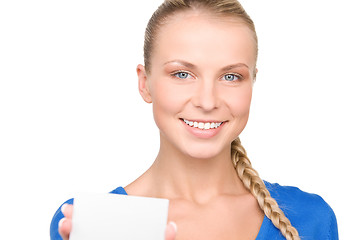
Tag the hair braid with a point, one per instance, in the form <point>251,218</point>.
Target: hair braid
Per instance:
<point>253,182</point>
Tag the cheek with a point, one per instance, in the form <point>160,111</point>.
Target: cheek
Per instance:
<point>239,105</point>
<point>168,99</point>
<point>239,102</point>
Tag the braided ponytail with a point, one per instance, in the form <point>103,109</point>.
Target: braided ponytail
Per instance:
<point>253,182</point>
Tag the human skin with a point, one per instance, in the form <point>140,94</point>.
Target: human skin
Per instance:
<point>195,56</point>
<point>204,95</point>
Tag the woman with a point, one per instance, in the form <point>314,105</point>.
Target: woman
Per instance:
<point>200,67</point>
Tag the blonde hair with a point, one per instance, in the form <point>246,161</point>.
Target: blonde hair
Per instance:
<point>242,164</point>
<point>224,8</point>
<point>253,182</point>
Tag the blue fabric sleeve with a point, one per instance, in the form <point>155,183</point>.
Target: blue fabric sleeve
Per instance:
<point>308,213</point>
<point>333,228</point>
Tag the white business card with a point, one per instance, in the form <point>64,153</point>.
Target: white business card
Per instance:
<point>120,217</point>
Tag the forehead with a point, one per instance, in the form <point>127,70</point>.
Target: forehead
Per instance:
<point>202,37</point>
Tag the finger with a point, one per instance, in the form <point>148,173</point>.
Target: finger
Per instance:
<point>65,228</point>
<point>170,232</point>
<point>67,210</point>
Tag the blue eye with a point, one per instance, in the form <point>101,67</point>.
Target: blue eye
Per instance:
<point>231,77</point>
<point>181,75</point>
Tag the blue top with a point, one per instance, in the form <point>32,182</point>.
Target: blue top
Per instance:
<point>308,213</point>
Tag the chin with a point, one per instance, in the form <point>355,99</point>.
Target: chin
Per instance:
<point>202,152</point>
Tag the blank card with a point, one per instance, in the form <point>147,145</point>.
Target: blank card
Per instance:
<point>120,217</point>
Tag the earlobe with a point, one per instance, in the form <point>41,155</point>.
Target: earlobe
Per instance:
<point>143,84</point>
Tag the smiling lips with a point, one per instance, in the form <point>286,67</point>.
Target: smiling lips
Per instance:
<point>202,125</point>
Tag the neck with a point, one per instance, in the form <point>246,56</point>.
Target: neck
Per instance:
<point>177,176</point>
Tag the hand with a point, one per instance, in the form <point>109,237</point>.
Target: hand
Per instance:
<point>65,224</point>
<point>170,232</point>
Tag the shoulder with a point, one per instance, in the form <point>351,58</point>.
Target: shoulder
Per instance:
<point>119,190</point>
<point>309,213</point>
<point>294,197</point>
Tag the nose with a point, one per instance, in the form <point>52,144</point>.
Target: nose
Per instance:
<point>206,96</point>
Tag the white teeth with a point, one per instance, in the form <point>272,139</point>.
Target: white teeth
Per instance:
<point>203,125</point>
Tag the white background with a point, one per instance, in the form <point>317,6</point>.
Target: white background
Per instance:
<point>71,119</point>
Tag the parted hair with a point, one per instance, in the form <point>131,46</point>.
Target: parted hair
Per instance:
<point>242,164</point>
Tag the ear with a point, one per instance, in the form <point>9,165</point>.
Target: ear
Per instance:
<point>143,83</point>
<point>255,73</point>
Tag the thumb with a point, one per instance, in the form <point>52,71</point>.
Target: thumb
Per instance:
<point>170,231</point>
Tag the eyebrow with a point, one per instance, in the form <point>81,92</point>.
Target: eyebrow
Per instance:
<point>232,66</point>
<point>181,62</point>
<point>192,66</point>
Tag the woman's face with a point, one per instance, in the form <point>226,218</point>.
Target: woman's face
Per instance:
<point>200,82</point>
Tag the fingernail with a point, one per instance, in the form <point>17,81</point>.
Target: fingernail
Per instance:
<point>61,222</point>
<point>63,207</point>
<point>174,226</point>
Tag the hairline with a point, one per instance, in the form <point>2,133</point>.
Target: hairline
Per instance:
<point>202,10</point>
